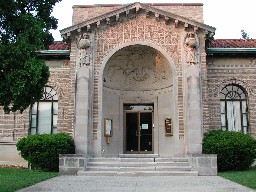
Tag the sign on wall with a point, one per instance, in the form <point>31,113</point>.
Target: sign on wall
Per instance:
<point>108,127</point>
<point>168,127</point>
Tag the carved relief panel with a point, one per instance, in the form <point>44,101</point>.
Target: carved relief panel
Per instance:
<point>84,50</point>
<point>191,48</point>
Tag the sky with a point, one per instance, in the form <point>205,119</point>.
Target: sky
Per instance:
<point>229,17</point>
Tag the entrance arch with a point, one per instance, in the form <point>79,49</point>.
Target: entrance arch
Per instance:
<point>140,74</point>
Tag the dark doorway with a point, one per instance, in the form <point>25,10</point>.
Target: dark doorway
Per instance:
<point>139,131</point>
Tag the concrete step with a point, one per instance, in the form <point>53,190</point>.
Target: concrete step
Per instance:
<point>137,164</point>
<point>131,159</point>
<point>89,168</point>
<point>137,173</point>
<point>104,159</point>
<point>172,159</point>
<point>177,163</point>
<point>173,168</point>
<point>122,164</point>
<point>145,168</point>
<point>132,165</point>
<point>138,155</point>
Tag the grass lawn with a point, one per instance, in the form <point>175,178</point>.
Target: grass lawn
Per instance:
<point>14,179</point>
<point>246,178</point>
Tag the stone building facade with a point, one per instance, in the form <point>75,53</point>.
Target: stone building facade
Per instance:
<point>141,79</point>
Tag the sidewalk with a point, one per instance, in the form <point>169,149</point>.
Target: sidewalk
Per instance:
<point>137,184</point>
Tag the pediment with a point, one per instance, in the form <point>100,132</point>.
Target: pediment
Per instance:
<point>132,11</point>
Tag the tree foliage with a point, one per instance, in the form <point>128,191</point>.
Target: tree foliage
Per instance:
<point>244,35</point>
<point>24,29</point>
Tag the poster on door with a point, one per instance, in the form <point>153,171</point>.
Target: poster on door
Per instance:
<point>144,126</point>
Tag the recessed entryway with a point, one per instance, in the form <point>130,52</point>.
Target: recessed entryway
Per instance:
<point>137,94</point>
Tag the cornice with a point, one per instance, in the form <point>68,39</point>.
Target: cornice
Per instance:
<point>231,51</point>
<point>135,8</point>
<point>152,4</point>
<point>53,53</point>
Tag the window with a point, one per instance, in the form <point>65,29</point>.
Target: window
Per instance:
<point>44,114</point>
<point>234,108</point>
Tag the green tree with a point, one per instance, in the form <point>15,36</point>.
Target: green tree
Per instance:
<point>244,35</point>
<point>24,29</point>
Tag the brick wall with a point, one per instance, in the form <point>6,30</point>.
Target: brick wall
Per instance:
<point>82,13</point>
<point>227,70</point>
<point>191,11</point>
<point>15,125</point>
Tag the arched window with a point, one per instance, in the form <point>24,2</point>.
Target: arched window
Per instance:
<point>234,108</point>
<point>44,114</point>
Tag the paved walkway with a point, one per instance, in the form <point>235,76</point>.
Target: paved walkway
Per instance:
<point>137,184</point>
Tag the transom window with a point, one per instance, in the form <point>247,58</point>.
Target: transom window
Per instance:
<point>234,108</point>
<point>44,114</point>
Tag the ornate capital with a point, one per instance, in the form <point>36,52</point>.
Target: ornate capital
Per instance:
<point>191,40</point>
<point>84,50</point>
<point>84,41</point>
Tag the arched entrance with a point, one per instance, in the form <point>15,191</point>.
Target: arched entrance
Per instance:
<point>137,95</point>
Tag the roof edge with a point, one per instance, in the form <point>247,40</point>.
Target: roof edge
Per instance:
<point>66,31</point>
<point>53,53</point>
<point>231,51</point>
<point>152,4</point>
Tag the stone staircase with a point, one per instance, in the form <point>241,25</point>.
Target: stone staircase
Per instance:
<point>138,166</point>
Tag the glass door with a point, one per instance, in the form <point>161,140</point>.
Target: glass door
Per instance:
<point>146,131</point>
<point>139,132</point>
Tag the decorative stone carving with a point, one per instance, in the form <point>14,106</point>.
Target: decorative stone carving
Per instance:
<point>144,29</point>
<point>191,46</point>
<point>84,53</point>
<point>84,43</point>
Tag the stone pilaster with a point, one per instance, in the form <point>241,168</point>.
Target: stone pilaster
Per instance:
<point>194,113</point>
<point>194,126</point>
<point>82,107</point>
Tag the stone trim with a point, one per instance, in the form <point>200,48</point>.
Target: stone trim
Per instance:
<point>246,85</point>
<point>70,164</point>
<point>152,4</point>
<point>205,164</point>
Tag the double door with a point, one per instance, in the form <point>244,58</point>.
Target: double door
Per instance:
<point>139,132</point>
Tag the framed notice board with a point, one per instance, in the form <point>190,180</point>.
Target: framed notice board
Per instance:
<point>108,125</point>
<point>168,126</point>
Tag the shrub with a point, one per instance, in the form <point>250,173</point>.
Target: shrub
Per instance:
<point>42,151</point>
<point>235,150</point>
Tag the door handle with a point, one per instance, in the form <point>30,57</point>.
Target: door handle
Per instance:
<point>137,133</point>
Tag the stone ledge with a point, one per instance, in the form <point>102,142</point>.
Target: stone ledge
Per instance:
<point>8,143</point>
<point>71,155</point>
<point>70,164</point>
<point>205,164</point>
